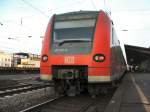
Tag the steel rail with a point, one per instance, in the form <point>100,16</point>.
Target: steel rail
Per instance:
<point>23,89</point>
<point>30,109</point>
<point>14,87</point>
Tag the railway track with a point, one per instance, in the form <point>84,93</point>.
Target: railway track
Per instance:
<point>14,86</point>
<point>16,89</point>
<point>38,106</point>
<point>81,103</point>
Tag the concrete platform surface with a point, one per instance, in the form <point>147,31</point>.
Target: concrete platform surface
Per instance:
<point>133,95</point>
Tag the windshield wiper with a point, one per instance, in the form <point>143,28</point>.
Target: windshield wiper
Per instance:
<point>73,40</point>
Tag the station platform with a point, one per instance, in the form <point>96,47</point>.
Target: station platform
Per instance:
<point>133,95</point>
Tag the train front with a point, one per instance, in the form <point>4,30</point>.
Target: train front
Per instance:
<point>74,52</point>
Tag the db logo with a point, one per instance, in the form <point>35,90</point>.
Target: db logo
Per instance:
<point>69,60</point>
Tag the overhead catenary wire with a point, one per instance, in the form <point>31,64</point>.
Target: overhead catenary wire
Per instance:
<point>15,45</point>
<point>93,4</point>
<point>15,49</point>
<point>132,10</point>
<point>42,12</point>
<point>35,8</point>
<point>22,19</point>
<point>68,5</point>
<point>6,48</point>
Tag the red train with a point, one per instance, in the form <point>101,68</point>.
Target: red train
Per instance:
<point>81,51</point>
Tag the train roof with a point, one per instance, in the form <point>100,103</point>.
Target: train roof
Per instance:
<point>79,12</point>
<point>77,15</point>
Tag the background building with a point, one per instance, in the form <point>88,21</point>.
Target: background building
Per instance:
<point>26,60</point>
<point>5,59</point>
<point>22,60</point>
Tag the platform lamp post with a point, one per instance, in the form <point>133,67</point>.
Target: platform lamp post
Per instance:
<point>13,61</point>
<point>128,66</point>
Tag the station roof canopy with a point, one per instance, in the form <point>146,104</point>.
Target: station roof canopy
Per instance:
<point>136,55</point>
<point>22,53</point>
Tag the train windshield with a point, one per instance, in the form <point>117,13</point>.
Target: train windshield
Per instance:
<point>73,34</point>
<point>73,30</point>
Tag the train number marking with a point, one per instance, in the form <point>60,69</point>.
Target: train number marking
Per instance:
<point>69,60</point>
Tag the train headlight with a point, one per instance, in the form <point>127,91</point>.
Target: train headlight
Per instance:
<point>99,58</point>
<point>44,58</point>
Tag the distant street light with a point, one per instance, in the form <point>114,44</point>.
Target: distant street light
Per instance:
<point>124,30</point>
<point>13,39</point>
<point>17,38</point>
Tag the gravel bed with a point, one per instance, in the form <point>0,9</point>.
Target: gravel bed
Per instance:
<point>22,101</point>
<point>6,83</point>
<point>11,80</point>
